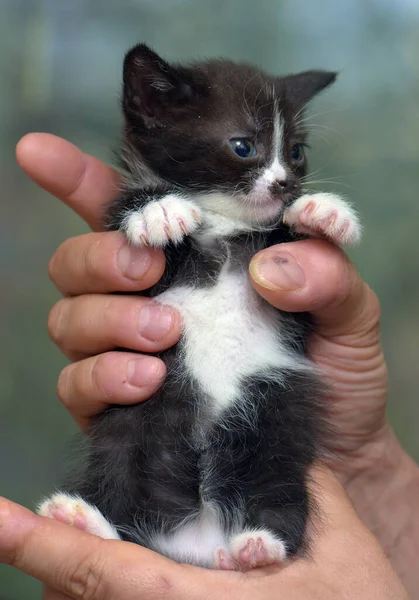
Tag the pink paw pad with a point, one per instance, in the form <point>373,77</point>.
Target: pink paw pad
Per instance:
<point>254,553</point>
<point>73,516</point>
<point>74,511</point>
<point>257,549</point>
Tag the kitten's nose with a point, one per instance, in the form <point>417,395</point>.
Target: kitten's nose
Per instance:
<point>286,188</point>
<point>286,185</point>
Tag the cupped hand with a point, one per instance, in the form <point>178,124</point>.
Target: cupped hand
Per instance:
<point>345,561</point>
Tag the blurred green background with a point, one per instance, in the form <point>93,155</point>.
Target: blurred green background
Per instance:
<point>60,70</point>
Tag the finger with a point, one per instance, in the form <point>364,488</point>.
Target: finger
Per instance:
<point>317,277</point>
<point>87,387</point>
<point>83,566</point>
<point>90,324</point>
<point>83,182</point>
<point>104,262</point>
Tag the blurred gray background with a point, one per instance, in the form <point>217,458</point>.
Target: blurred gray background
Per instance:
<point>60,68</point>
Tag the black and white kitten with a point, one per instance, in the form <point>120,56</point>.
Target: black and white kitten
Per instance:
<point>213,469</point>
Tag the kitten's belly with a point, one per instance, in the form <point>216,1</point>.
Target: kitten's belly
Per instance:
<point>229,333</point>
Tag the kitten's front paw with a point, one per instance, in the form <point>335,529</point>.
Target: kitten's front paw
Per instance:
<point>324,215</point>
<point>252,549</point>
<point>72,510</point>
<point>162,221</point>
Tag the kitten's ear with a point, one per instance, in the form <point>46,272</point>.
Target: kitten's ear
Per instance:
<point>304,86</point>
<point>151,86</point>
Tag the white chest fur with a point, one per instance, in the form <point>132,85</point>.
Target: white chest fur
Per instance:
<point>229,333</point>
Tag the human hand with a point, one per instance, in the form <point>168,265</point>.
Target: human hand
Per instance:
<point>89,323</point>
<point>345,561</point>
<point>316,277</point>
<point>380,478</point>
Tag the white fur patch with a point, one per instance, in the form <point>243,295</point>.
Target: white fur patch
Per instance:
<point>161,221</point>
<point>196,541</point>
<point>276,170</point>
<point>218,226</point>
<point>229,333</point>
<point>73,510</point>
<point>325,215</point>
<point>237,208</point>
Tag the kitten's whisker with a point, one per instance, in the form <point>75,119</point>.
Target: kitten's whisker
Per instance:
<point>171,157</point>
<point>333,182</point>
<point>246,103</point>
<point>326,112</point>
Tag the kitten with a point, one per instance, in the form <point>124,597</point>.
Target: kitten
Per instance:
<point>213,469</point>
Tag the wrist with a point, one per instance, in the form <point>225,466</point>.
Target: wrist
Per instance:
<point>384,489</point>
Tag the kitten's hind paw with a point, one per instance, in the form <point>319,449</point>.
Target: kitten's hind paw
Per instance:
<point>252,549</point>
<point>72,510</point>
<point>162,221</point>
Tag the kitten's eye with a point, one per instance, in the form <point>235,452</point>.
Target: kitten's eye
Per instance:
<point>242,147</point>
<point>297,153</point>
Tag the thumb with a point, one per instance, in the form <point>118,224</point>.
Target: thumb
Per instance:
<point>77,565</point>
<point>317,277</point>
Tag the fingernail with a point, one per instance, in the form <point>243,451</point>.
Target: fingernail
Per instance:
<point>277,271</point>
<point>143,371</point>
<point>134,262</point>
<point>155,321</point>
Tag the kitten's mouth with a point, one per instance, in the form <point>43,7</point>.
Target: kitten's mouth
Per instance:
<point>267,206</point>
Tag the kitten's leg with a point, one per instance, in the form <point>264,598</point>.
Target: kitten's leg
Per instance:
<point>159,222</point>
<point>72,510</point>
<point>258,456</point>
<point>324,215</point>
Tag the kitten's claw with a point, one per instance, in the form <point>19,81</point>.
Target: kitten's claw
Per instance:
<point>223,560</point>
<point>183,227</point>
<point>253,549</point>
<point>72,510</point>
<point>196,216</point>
<point>162,221</point>
<point>324,215</point>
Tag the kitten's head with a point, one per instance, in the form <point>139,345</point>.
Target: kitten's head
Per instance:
<point>227,133</point>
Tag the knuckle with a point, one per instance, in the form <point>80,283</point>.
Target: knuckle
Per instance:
<point>56,261</point>
<point>92,258</point>
<point>98,369</point>
<point>85,578</point>
<point>52,266</point>
<point>11,553</point>
<point>374,302</point>
<point>64,385</point>
<point>56,321</point>
<point>112,312</point>
<point>83,379</point>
